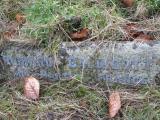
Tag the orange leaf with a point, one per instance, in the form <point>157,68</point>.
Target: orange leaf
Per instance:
<point>80,35</point>
<point>31,88</point>
<point>114,104</point>
<point>20,18</point>
<point>128,3</point>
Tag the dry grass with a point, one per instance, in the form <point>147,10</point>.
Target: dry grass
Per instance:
<point>104,18</point>
<point>72,99</point>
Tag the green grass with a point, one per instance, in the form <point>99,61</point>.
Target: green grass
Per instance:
<point>154,6</point>
<point>49,22</point>
<point>72,98</point>
<point>45,16</point>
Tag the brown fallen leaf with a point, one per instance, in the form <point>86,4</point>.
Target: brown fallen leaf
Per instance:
<point>130,30</point>
<point>31,88</point>
<point>144,38</point>
<point>134,32</point>
<point>20,18</point>
<point>10,30</point>
<point>80,35</point>
<point>114,104</point>
<point>7,35</point>
<point>128,3</point>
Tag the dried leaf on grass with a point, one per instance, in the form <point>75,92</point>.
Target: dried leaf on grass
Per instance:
<point>20,18</point>
<point>80,35</point>
<point>114,104</point>
<point>31,88</point>
<point>130,30</point>
<point>128,3</point>
<point>133,31</point>
<point>144,38</point>
<point>10,30</point>
<point>7,35</point>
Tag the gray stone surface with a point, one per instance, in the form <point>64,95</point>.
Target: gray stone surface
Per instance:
<point>119,62</point>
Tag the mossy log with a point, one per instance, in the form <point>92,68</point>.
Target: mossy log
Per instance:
<point>114,62</point>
